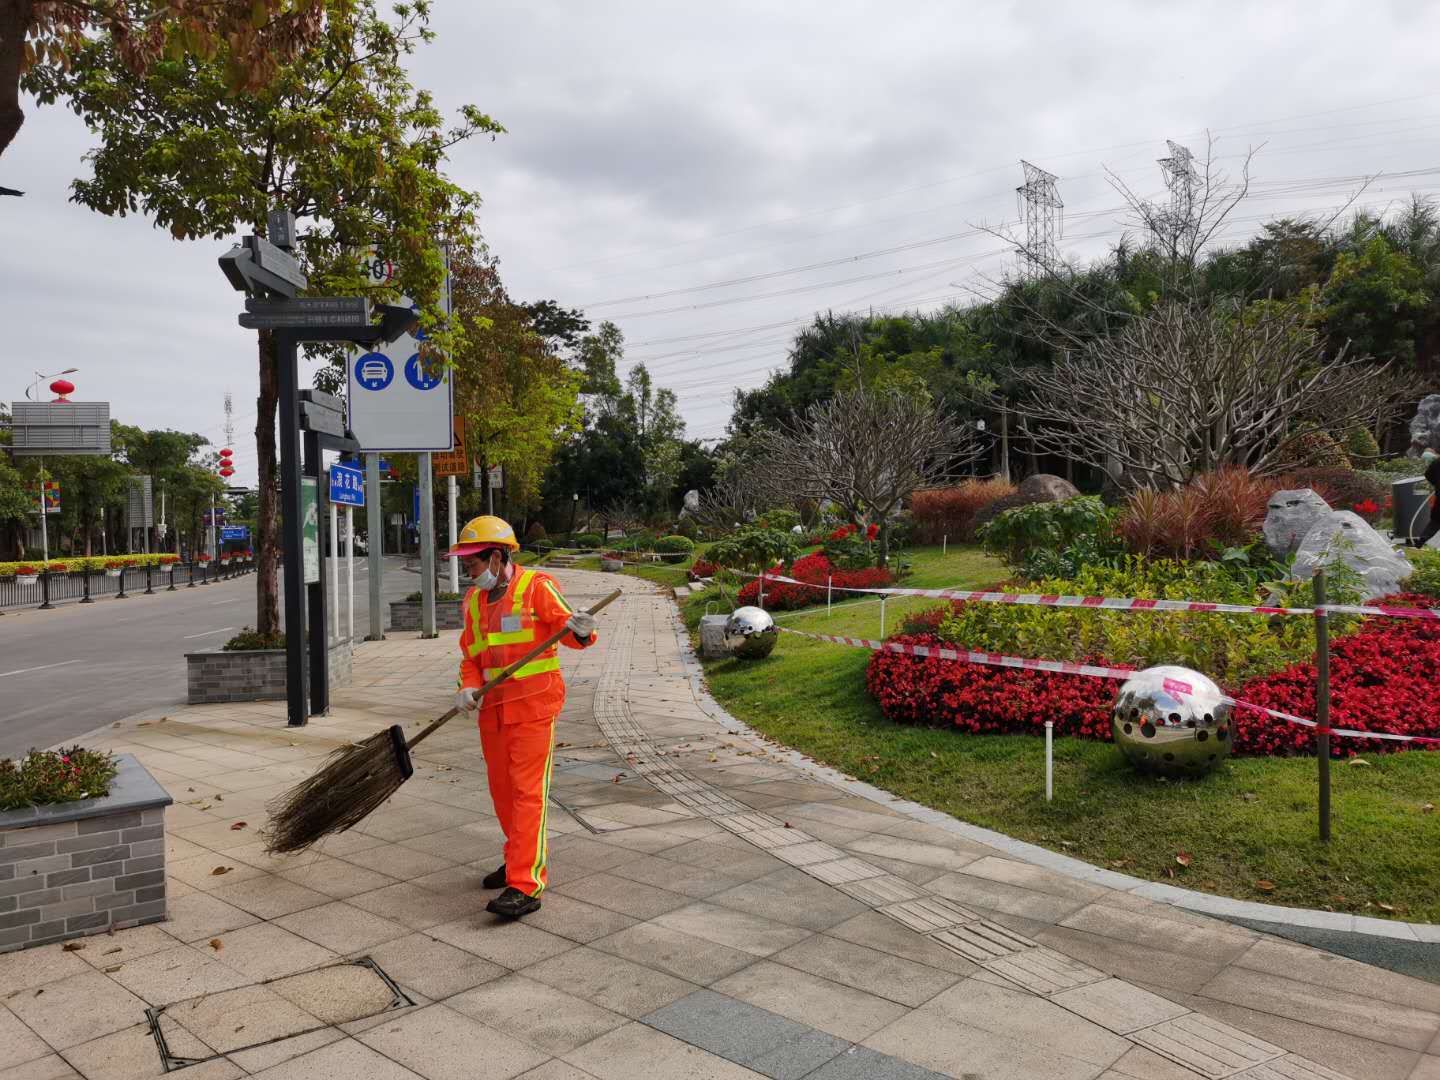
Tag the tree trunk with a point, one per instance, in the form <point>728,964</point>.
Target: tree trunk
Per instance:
<point>267,517</point>
<point>15,16</point>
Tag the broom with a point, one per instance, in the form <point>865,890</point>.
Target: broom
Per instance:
<point>357,778</point>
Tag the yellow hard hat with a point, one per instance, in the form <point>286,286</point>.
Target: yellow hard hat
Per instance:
<point>484,532</point>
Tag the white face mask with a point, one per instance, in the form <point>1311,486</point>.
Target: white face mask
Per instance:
<point>487,580</point>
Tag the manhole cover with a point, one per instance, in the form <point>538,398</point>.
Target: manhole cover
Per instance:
<point>203,1028</point>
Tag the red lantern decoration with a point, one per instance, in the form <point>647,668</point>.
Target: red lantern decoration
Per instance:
<point>62,387</point>
<point>227,452</point>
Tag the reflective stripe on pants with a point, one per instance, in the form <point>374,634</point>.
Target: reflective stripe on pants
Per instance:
<point>518,760</point>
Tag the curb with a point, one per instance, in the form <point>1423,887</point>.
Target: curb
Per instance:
<point>1187,899</point>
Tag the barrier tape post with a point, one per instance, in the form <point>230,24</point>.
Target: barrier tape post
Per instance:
<point>828,579</point>
<point>1049,760</point>
<point>882,618</point>
<point>945,544</point>
<point>1322,702</point>
<point>760,597</point>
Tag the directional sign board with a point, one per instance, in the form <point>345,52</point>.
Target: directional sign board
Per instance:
<point>307,313</point>
<point>235,532</point>
<point>453,462</point>
<point>55,428</point>
<point>273,260</point>
<point>400,398</point>
<point>347,485</point>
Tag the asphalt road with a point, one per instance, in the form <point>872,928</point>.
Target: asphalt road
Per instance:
<point>69,670</point>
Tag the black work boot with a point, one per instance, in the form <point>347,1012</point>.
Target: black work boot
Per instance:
<point>495,879</point>
<point>512,903</point>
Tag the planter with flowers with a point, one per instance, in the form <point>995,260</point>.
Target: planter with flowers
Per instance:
<point>612,562</point>
<point>84,832</point>
<point>115,567</point>
<point>25,574</point>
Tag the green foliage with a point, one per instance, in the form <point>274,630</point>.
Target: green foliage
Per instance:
<point>1373,298</point>
<point>754,549</point>
<point>415,598</point>
<point>588,540</point>
<point>249,640</point>
<point>1361,447</point>
<point>1044,532</point>
<point>45,777</point>
<point>853,552</point>
<point>674,545</point>
<point>780,518</point>
<point>1426,578</point>
<point>1228,648</point>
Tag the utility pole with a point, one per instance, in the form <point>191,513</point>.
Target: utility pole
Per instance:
<point>375,524</point>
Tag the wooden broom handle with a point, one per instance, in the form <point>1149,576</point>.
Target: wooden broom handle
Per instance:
<point>553,639</point>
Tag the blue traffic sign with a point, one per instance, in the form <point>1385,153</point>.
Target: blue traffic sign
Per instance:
<point>347,485</point>
<point>235,532</point>
<point>423,376</point>
<point>373,371</point>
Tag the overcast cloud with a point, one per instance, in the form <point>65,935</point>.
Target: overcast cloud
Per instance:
<point>656,146</point>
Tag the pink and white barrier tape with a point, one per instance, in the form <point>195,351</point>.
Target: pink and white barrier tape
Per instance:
<point>1093,671</point>
<point>1113,603</point>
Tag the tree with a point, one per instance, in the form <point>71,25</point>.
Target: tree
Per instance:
<point>1189,388</point>
<point>339,136</point>
<point>867,449</point>
<point>1373,300</point>
<point>16,503</point>
<point>256,36</point>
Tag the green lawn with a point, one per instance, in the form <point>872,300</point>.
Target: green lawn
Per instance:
<point>1253,821</point>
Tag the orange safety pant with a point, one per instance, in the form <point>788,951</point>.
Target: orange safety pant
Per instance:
<point>518,761</point>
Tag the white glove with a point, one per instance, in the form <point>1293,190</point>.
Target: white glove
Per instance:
<point>581,624</point>
<point>468,699</point>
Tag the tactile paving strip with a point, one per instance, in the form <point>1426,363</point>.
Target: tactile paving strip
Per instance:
<point>1290,1067</point>
<point>886,889</point>
<point>930,913</point>
<point>982,941</point>
<point>1209,1047</point>
<point>1043,971</point>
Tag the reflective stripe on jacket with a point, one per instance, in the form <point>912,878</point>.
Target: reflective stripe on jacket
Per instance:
<point>496,635</point>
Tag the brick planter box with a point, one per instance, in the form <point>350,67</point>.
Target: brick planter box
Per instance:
<point>84,867</point>
<point>256,675</point>
<point>405,614</point>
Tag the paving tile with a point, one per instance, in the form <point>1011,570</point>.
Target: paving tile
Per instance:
<point>1427,1069</point>
<point>734,929</point>
<point>577,920</point>
<point>885,935</point>
<point>674,952</point>
<point>238,1018</point>
<point>1139,1063</point>
<point>398,861</point>
<point>340,994</point>
<point>511,944</point>
<point>107,950</point>
<point>1044,971</point>
<point>177,973</point>
<point>610,981</point>
<point>1131,961</point>
<point>693,881</point>
<point>536,1013</point>
<point>76,1009</point>
<point>953,1049</point>
<point>982,941</point>
<point>1290,1067</point>
<point>1305,964</point>
<point>18,1044</point>
<point>1205,939</point>
<point>275,1053</point>
<point>977,892</point>
<point>1016,1015</point>
<point>131,1054</point>
<point>637,1052</point>
<point>746,1035</point>
<point>200,916</point>
<point>882,889</point>
<point>1338,1010</point>
<point>50,1067</point>
<point>841,1011</point>
<point>792,897</point>
<point>343,1060</point>
<point>607,890</point>
<point>441,1044</point>
<point>342,928</point>
<point>862,1063</point>
<point>266,951</point>
<point>434,968</point>
<point>867,969</point>
<point>416,908</point>
<point>337,878</point>
<point>1038,878</point>
<point>930,913</point>
<point>893,847</point>
<point>35,967</point>
<point>1210,1047</point>
<point>1118,1006</point>
<point>269,897</point>
<point>555,1069</point>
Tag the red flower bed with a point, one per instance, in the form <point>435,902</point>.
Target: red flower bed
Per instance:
<point>1383,677</point>
<point>702,569</point>
<point>983,699</point>
<point>813,569</point>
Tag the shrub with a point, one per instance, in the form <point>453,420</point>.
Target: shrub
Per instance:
<point>249,640</point>
<point>415,597</point>
<point>928,620</point>
<point>676,544</point>
<point>1425,580</point>
<point>942,512</point>
<point>1361,447</point>
<point>850,547</point>
<point>535,532</point>
<point>688,527</point>
<point>45,777</point>
<point>588,540</point>
<point>754,549</point>
<point>1225,647</point>
<point>983,699</point>
<point>1017,535</point>
<point>813,569</point>
<point>1214,511</point>
<point>1314,449</point>
<point>782,519</point>
<point>1341,488</point>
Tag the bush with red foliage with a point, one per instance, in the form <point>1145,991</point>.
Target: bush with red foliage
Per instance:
<point>813,569</point>
<point>983,699</point>
<point>700,568</point>
<point>942,512</point>
<point>1383,677</point>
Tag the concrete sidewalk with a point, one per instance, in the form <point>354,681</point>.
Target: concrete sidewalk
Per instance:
<point>714,913</point>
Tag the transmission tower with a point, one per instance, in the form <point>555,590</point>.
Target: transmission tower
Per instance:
<point>1040,208</point>
<point>1176,224</point>
<point>229,420</point>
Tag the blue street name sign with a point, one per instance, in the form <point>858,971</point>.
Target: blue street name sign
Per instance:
<point>235,532</point>
<point>347,485</point>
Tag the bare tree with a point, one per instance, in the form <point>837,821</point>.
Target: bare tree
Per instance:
<point>866,449</point>
<point>1188,388</point>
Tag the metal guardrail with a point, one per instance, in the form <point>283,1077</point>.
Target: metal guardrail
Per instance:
<point>58,587</point>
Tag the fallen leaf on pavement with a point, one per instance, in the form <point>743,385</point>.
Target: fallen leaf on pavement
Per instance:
<point>238,826</point>
<point>113,968</point>
<point>1265,886</point>
<point>788,825</point>
<point>72,946</point>
<point>221,870</point>
<point>216,944</point>
<point>107,952</point>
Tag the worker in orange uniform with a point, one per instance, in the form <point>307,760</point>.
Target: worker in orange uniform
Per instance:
<point>507,611</point>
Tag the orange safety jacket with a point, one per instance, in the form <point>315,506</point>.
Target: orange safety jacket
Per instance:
<point>496,635</point>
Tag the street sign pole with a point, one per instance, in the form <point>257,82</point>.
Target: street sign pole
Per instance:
<point>350,569</point>
<point>297,690</point>
<point>334,571</point>
<point>319,646</point>
<point>427,549</point>
<point>450,491</point>
<point>375,524</point>
<point>44,528</point>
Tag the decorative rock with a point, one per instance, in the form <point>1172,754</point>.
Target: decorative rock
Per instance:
<point>1425,426</point>
<point>1346,537</point>
<point>1046,487</point>
<point>691,506</point>
<point>1289,517</point>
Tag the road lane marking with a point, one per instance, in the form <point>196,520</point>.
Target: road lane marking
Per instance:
<point>207,633</point>
<point>217,603</point>
<point>42,667</point>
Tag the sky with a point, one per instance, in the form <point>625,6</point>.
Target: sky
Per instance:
<point>712,177</point>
